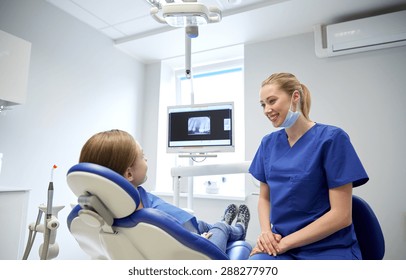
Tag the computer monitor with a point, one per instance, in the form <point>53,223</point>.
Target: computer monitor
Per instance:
<point>201,128</point>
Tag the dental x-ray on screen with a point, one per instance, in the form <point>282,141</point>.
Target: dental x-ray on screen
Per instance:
<point>201,128</point>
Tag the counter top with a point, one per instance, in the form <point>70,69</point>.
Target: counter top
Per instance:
<point>12,189</point>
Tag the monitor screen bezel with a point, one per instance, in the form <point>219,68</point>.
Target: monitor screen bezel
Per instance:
<point>201,148</point>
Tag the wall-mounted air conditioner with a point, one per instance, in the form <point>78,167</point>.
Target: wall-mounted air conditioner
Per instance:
<point>383,31</point>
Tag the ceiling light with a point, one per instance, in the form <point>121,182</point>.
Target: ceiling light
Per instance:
<point>186,14</point>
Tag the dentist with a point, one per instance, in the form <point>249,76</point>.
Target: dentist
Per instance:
<point>307,171</point>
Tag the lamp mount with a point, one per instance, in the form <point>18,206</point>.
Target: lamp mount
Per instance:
<point>186,13</point>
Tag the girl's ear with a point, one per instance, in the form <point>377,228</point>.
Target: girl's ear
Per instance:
<point>128,174</point>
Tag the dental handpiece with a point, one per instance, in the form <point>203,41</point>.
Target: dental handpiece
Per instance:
<point>50,194</point>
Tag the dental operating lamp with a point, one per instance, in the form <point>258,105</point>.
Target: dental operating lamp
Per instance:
<point>188,14</point>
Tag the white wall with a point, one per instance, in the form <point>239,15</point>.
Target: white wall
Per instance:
<point>150,116</point>
<point>362,93</point>
<point>79,84</point>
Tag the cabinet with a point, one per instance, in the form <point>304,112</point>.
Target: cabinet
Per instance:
<point>14,65</point>
<point>13,221</point>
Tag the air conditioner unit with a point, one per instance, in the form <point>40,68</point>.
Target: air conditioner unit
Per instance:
<point>378,32</point>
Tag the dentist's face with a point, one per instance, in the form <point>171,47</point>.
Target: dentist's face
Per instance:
<point>275,103</point>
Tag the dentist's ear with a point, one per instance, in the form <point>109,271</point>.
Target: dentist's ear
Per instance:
<point>296,95</point>
<point>296,100</point>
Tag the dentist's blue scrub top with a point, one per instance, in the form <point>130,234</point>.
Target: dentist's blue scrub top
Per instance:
<point>299,178</point>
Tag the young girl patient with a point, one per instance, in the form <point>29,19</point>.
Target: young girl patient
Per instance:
<point>120,152</point>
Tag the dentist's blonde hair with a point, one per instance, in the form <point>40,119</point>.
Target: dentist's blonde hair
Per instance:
<point>114,149</point>
<point>289,83</point>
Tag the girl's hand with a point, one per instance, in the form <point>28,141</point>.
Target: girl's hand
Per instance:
<point>206,235</point>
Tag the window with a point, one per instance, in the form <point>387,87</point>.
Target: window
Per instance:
<point>217,82</point>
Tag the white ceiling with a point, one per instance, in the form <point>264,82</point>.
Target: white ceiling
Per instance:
<point>129,24</point>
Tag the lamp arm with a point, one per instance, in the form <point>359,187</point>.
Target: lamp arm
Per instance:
<point>215,14</point>
<point>154,13</point>
<point>188,57</point>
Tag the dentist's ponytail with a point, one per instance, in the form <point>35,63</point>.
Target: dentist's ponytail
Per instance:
<point>305,101</point>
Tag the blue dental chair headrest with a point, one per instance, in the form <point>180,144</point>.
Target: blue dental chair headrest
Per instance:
<point>116,192</point>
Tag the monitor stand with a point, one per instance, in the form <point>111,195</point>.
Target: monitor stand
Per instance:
<point>198,155</point>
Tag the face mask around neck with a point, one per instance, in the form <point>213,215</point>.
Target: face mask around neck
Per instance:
<point>291,117</point>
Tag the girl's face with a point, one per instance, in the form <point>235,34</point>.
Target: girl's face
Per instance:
<point>275,103</point>
<point>137,172</point>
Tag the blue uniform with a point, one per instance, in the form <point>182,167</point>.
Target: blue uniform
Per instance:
<point>299,179</point>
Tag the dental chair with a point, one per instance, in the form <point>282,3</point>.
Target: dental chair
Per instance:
<point>106,224</point>
<point>368,230</point>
